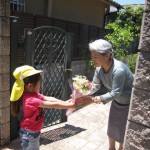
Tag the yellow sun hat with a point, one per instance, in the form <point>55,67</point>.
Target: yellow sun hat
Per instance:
<point>19,74</point>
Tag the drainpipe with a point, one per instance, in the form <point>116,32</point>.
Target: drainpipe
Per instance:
<point>105,16</point>
<point>49,8</point>
<point>107,12</point>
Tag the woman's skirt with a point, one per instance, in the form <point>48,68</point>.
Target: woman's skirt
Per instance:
<point>117,121</point>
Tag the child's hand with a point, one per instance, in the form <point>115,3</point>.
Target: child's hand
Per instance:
<point>71,96</point>
<point>69,100</point>
<point>72,104</point>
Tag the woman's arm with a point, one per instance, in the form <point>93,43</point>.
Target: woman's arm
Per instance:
<point>118,81</point>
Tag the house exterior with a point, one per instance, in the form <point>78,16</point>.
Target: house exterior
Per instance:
<point>89,12</point>
<point>140,128</point>
<point>84,18</point>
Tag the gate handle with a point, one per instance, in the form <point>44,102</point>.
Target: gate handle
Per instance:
<point>68,70</point>
<point>65,70</point>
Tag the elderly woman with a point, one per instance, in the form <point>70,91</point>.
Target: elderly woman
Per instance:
<point>117,77</point>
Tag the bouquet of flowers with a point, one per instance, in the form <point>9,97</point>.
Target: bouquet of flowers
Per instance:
<point>81,86</point>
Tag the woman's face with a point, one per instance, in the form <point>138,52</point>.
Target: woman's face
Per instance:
<point>99,59</point>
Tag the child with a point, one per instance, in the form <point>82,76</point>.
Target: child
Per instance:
<point>26,88</point>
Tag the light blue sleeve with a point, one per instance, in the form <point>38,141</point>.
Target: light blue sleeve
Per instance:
<point>96,81</point>
<point>96,78</point>
<point>118,79</point>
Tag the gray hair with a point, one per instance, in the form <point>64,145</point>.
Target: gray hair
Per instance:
<point>101,46</point>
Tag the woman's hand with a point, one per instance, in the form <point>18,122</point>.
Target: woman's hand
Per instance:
<point>85,100</point>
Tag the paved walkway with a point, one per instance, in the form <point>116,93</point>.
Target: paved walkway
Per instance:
<point>85,130</point>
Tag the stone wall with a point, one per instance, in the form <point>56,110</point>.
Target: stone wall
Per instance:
<point>138,126</point>
<point>4,72</point>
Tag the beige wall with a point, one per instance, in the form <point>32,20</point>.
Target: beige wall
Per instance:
<point>83,11</point>
<point>89,12</point>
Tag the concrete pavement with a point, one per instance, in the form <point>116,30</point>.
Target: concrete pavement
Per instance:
<point>86,129</point>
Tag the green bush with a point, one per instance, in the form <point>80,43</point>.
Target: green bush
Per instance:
<point>125,30</point>
<point>131,62</point>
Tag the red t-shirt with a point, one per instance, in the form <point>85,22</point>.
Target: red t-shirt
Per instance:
<point>33,115</point>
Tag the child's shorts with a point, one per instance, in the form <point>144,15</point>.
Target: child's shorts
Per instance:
<point>29,139</point>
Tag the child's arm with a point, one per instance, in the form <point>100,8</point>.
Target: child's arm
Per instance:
<point>51,99</point>
<point>51,102</point>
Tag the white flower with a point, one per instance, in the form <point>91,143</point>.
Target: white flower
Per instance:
<point>81,82</point>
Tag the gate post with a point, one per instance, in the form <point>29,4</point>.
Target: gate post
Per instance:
<point>29,47</point>
<point>67,71</point>
<point>4,72</point>
<point>13,64</point>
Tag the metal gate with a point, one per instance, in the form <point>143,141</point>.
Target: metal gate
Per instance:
<point>49,49</point>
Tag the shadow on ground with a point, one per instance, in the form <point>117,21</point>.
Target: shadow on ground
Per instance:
<point>59,134</point>
<point>49,137</point>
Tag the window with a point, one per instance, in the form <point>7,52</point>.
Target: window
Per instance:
<point>18,5</point>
